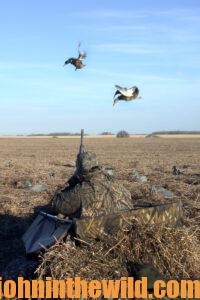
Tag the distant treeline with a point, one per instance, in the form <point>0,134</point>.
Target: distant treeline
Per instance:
<point>175,132</point>
<point>110,133</point>
<point>57,134</point>
<point>67,134</point>
<point>107,133</point>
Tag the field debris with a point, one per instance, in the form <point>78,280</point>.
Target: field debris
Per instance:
<point>27,184</point>
<point>62,164</point>
<point>192,181</point>
<point>176,171</point>
<point>39,187</point>
<point>9,164</point>
<point>161,190</point>
<point>51,174</point>
<point>187,166</point>
<point>140,178</point>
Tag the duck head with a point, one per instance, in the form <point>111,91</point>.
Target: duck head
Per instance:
<point>69,61</point>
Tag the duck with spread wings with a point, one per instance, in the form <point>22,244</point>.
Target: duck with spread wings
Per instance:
<point>126,94</point>
<point>77,62</point>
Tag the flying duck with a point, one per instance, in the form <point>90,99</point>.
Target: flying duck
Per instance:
<point>126,94</point>
<point>77,62</point>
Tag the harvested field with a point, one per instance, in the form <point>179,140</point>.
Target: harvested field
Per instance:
<point>35,159</point>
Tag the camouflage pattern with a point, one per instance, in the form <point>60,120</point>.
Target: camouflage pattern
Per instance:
<point>103,205</point>
<point>97,194</point>
<point>169,214</point>
<point>67,202</point>
<point>86,162</point>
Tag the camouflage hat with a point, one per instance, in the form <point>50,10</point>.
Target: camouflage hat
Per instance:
<point>86,161</point>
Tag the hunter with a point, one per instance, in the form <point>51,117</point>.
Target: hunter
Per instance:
<point>91,191</point>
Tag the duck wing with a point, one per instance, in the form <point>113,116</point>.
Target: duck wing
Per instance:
<point>124,91</point>
<point>117,93</point>
<point>82,55</point>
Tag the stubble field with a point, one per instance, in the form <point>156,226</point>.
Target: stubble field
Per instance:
<point>35,159</point>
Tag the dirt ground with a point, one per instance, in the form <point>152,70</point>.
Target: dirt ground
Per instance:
<point>35,159</point>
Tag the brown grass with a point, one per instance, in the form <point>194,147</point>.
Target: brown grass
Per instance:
<point>34,158</point>
<point>174,252</point>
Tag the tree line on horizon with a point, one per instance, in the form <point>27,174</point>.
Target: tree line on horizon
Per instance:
<point>177,132</point>
<point>120,133</point>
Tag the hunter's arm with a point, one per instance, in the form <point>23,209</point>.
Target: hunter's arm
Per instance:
<point>67,201</point>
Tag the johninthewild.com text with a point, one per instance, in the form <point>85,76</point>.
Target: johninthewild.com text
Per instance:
<point>125,287</point>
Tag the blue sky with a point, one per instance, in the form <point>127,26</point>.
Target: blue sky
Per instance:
<point>152,44</point>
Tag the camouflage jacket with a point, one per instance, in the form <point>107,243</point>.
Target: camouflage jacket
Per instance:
<point>94,194</point>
